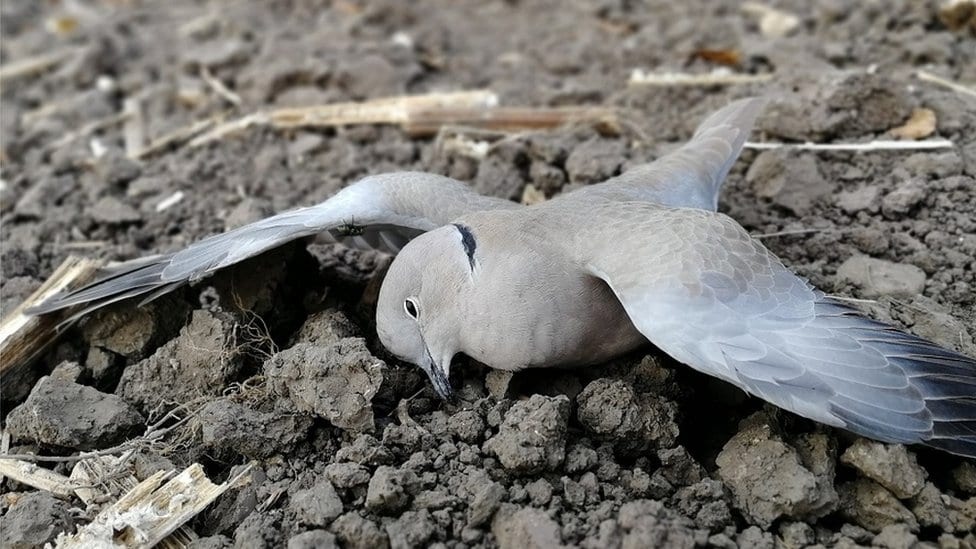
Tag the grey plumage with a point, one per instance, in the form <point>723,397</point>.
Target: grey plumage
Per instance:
<point>731,309</point>
<point>596,272</point>
<point>692,176</point>
<point>392,207</point>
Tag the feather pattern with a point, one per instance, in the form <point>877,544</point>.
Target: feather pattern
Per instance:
<point>701,289</point>
<point>402,204</point>
<point>385,211</point>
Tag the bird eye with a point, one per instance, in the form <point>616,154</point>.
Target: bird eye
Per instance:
<point>411,307</point>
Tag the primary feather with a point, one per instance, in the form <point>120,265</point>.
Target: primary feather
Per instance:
<point>399,204</point>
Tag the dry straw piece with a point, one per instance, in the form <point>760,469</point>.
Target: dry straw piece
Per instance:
<point>721,76</point>
<point>151,511</point>
<point>418,115</point>
<point>24,337</point>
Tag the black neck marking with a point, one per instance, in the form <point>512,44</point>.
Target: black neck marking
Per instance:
<point>468,241</point>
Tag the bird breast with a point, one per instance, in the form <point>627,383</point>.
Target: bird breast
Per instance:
<point>529,311</point>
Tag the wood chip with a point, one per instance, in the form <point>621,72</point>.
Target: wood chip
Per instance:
<point>38,477</point>
<point>390,110</point>
<point>104,472</point>
<point>23,337</point>
<point>512,119</point>
<point>419,115</point>
<point>919,125</point>
<point>151,511</point>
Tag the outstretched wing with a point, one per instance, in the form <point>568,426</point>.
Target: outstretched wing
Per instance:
<point>701,289</point>
<point>692,176</point>
<point>383,209</point>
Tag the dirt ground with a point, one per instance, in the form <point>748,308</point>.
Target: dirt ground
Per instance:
<point>277,361</point>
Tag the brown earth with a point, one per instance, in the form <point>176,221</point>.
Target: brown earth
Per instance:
<point>279,358</point>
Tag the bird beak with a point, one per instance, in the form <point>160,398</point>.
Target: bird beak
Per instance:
<point>439,378</point>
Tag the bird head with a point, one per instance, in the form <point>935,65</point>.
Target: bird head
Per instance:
<point>418,312</point>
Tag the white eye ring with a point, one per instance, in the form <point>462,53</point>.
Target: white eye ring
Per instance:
<point>410,306</point>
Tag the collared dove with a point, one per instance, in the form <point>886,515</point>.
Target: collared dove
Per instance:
<point>594,273</point>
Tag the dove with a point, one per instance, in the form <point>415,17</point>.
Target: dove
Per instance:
<point>641,258</point>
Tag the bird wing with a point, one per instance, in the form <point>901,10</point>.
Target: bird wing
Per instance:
<point>691,176</point>
<point>702,290</point>
<point>383,211</point>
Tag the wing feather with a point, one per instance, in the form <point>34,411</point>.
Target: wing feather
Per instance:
<point>408,203</point>
<point>691,176</point>
<point>701,289</point>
